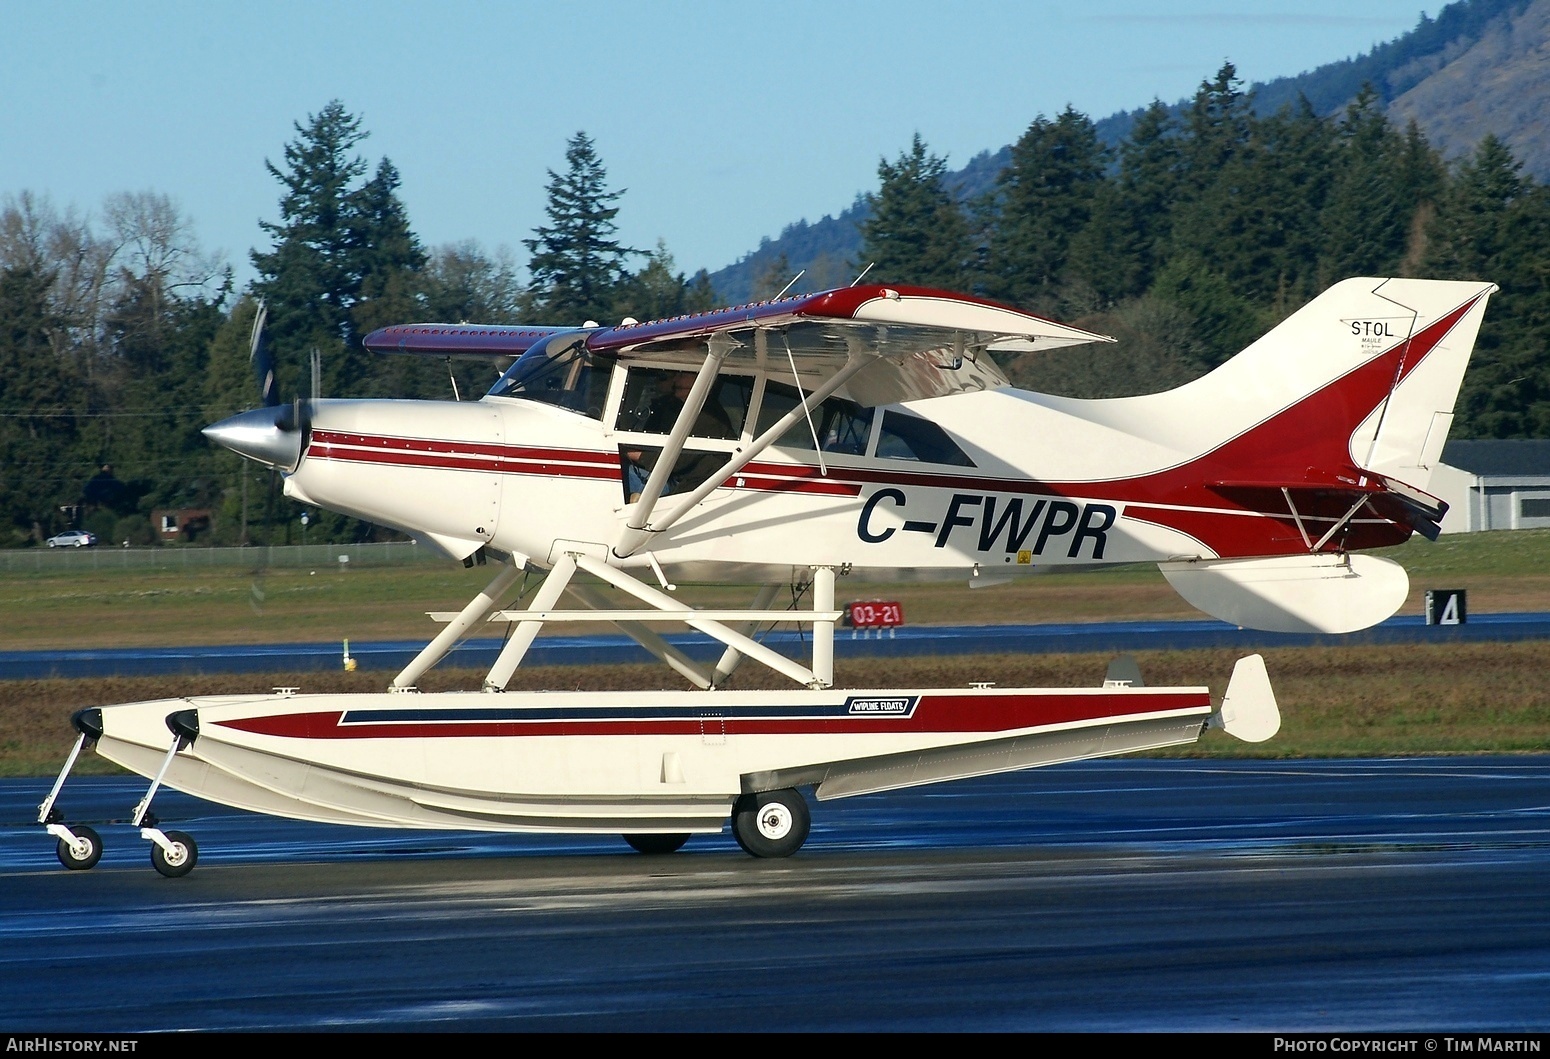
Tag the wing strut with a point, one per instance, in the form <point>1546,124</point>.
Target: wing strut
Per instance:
<point>796,379</point>
<point>734,628</point>
<point>720,346</point>
<point>522,637</point>
<point>634,536</point>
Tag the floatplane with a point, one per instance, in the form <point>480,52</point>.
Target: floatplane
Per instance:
<point>865,431</point>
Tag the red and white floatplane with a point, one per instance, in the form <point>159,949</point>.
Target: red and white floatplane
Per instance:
<point>866,432</point>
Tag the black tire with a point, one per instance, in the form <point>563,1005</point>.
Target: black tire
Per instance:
<point>771,823</point>
<point>70,858</point>
<point>181,861</point>
<point>653,845</point>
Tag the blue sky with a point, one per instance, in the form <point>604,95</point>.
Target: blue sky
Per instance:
<point>721,121</point>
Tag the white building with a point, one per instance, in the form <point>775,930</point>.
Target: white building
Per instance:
<point>1494,485</point>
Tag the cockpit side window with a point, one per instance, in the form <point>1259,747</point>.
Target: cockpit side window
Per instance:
<point>842,426</point>
<point>907,437</point>
<point>560,371</point>
<point>653,398</point>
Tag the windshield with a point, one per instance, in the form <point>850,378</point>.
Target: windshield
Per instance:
<point>560,371</point>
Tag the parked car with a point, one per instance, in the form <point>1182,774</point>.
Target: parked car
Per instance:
<point>72,539</point>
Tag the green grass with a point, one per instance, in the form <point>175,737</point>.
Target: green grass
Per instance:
<point>1340,701</point>
<point>215,605</point>
<point>1504,553</point>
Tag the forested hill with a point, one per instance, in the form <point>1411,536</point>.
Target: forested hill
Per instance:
<point>827,248</point>
<point>1185,234</point>
<point>1481,66</point>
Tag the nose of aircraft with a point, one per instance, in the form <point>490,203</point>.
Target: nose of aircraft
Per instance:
<point>265,435</point>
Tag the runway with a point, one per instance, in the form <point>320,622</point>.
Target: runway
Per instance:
<point>1113,895</point>
<point>1054,637</point>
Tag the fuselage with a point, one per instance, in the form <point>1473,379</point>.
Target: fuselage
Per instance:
<point>527,477</point>
<point>780,451</point>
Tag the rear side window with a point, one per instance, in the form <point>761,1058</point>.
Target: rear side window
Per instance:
<point>842,426</point>
<point>907,437</point>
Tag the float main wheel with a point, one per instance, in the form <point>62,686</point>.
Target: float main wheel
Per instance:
<point>771,823</point>
<point>86,854</point>
<point>180,860</point>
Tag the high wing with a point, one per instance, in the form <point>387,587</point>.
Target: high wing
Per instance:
<point>918,342</point>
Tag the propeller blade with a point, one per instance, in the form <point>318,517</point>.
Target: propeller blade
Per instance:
<point>304,404</point>
<point>262,359</point>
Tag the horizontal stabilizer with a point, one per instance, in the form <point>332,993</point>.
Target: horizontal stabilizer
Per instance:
<point>1294,593</point>
<point>1406,503</point>
<point>1249,711</point>
<point>1386,497</point>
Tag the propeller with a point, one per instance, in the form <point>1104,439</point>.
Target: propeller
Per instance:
<point>274,434</point>
<point>262,359</point>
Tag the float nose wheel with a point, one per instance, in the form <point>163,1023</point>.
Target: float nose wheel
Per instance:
<point>771,823</point>
<point>79,847</point>
<point>173,853</point>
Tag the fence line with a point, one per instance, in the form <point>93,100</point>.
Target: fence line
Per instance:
<point>175,557</point>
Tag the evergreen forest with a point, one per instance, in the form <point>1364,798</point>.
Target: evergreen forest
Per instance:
<point>1205,226</point>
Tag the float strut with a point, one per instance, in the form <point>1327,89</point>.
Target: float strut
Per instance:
<point>182,736</point>
<point>477,611</point>
<point>46,813</point>
<point>823,631</point>
<point>88,723</point>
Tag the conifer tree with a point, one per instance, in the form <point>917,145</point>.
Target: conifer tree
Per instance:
<point>1106,260</point>
<point>1367,220</point>
<point>1147,186</point>
<point>577,263</point>
<point>308,279</point>
<point>1218,124</point>
<point>773,278</point>
<point>39,399</point>
<point>1494,224</point>
<point>339,245</point>
<point>387,254</point>
<point>701,295</point>
<point>916,233</point>
<point>1043,199</point>
<point>656,292</point>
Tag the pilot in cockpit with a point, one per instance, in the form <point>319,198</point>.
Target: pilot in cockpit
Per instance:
<point>659,417</point>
